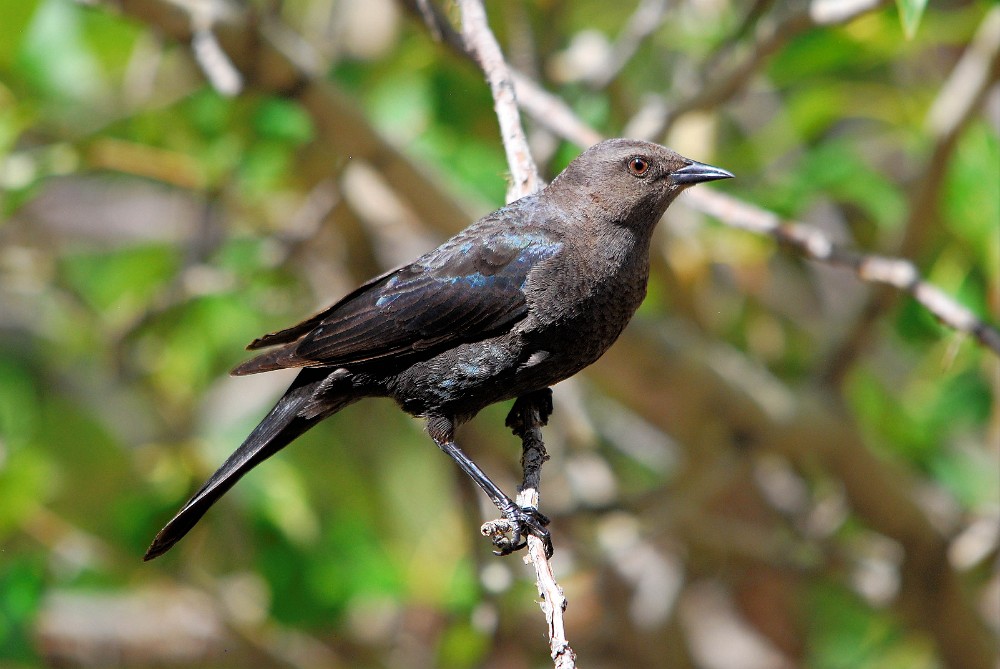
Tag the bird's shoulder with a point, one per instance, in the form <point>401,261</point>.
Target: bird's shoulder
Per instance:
<point>506,243</point>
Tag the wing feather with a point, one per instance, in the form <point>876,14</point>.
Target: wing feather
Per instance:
<point>463,291</point>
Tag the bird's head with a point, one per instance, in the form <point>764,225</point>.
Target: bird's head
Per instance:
<point>630,181</point>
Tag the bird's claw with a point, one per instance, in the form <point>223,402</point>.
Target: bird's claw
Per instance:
<point>509,534</point>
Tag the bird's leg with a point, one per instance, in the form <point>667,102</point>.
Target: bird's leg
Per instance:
<point>520,521</point>
<point>526,418</point>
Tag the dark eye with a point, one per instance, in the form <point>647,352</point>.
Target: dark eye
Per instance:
<point>638,166</point>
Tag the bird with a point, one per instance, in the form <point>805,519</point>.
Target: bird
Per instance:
<point>525,297</point>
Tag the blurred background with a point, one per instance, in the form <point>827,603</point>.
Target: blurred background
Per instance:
<point>778,465</point>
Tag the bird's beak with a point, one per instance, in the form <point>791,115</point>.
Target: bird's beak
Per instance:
<point>696,173</point>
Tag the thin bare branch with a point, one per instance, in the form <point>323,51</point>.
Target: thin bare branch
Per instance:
<point>526,420</point>
<point>816,245</point>
<point>956,104</point>
<point>482,46</point>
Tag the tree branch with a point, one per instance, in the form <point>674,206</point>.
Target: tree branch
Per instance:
<point>481,45</point>
<point>526,419</point>
<point>957,101</point>
<point>814,244</point>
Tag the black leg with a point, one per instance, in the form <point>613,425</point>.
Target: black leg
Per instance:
<point>521,521</point>
<point>526,418</point>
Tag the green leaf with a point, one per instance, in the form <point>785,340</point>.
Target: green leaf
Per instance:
<point>56,59</point>
<point>283,120</point>
<point>910,13</point>
<point>15,17</point>
<point>23,584</point>
<point>971,201</point>
<point>120,282</point>
<point>19,401</point>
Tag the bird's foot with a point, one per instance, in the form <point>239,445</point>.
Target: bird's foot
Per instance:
<point>509,534</point>
<point>529,411</point>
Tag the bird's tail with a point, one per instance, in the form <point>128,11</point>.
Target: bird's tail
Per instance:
<point>280,427</point>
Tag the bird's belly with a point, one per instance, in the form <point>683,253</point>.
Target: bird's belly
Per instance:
<point>571,347</point>
<point>461,381</point>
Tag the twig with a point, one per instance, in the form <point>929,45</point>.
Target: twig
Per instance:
<point>482,46</point>
<point>526,419</point>
<point>816,245</point>
<point>208,53</point>
<point>214,62</point>
<point>426,10</point>
<point>530,412</point>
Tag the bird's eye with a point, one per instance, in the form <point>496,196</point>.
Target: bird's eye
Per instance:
<point>638,166</point>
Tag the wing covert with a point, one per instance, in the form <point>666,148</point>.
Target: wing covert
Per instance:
<point>464,290</point>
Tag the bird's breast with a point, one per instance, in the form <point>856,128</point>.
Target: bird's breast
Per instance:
<point>580,306</point>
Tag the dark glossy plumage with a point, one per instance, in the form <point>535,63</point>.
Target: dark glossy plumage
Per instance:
<point>520,300</point>
<point>462,291</point>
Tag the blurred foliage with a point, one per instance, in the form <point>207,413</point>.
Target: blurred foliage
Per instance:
<point>151,227</point>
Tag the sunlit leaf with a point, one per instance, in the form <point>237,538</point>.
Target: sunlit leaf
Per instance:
<point>15,18</point>
<point>55,57</point>
<point>910,13</point>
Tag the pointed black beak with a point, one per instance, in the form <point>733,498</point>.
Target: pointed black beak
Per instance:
<point>696,173</point>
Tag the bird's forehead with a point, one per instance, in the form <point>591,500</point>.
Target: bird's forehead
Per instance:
<point>614,150</point>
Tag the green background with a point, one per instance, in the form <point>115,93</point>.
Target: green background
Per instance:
<point>777,460</point>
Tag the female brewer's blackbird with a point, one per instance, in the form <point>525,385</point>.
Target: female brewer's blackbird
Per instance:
<point>523,298</point>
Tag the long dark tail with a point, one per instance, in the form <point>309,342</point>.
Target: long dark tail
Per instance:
<point>279,428</point>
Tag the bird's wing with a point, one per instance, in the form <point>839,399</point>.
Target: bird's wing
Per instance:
<point>289,335</point>
<point>465,290</point>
